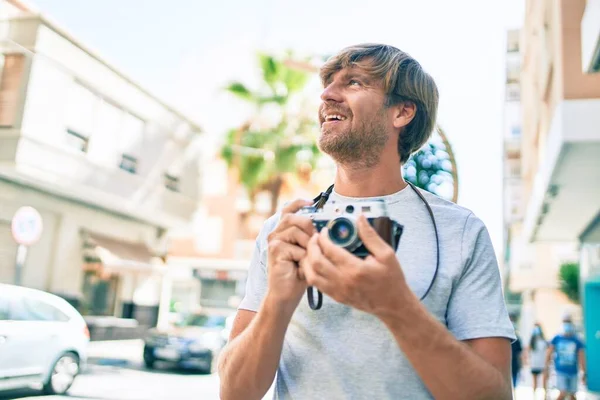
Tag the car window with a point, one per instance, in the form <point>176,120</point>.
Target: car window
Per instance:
<point>206,321</point>
<point>28,309</point>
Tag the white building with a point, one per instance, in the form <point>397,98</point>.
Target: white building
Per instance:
<point>110,167</point>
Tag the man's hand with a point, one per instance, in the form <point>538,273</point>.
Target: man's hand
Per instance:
<point>375,285</point>
<point>286,247</point>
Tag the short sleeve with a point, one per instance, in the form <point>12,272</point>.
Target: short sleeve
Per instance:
<point>554,341</point>
<point>256,283</point>
<point>476,308</point>
<point>580,344</point>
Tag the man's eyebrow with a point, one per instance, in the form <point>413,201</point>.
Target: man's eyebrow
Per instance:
<point>358,74</point>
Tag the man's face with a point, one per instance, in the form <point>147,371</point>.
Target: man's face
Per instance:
<point>355,123</point>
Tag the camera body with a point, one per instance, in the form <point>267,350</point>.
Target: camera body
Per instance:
<point>341,219</point>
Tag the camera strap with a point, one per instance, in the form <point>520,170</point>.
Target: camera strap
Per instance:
<point>320,201</point>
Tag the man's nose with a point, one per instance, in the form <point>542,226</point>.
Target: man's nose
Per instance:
<point>332,93</point>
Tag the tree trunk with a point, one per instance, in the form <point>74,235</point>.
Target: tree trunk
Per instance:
<point>452,161</point>
<point>275,190</point>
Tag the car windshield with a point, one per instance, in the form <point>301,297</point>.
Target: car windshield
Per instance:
<point>205,321</point>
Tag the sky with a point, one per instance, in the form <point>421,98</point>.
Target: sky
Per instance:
<point>185,51</point>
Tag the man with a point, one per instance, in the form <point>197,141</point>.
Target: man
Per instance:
<point>568,353</point>
<point>373,338</point>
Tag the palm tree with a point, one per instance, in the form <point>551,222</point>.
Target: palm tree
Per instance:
<point>280,137</point>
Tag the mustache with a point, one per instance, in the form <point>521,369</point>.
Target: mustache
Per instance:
<point>328,109</point>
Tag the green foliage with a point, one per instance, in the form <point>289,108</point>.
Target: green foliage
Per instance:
<point>568,277</point>
<point>430,169</point>
<point>239,90</point>
<point>262,153</point>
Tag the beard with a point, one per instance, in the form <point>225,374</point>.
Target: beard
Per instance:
<point>358,147</point>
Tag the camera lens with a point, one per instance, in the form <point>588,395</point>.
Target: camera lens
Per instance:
<point>350,209</point>
<point>342,232</point>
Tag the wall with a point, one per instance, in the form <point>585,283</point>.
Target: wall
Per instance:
<point>578,84</point>
<point>55,263</point>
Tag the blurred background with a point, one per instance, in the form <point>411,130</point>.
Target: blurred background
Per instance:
<point>144,143</point>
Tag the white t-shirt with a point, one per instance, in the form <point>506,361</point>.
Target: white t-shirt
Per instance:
<point>537,356</point>
<point>339,352</point>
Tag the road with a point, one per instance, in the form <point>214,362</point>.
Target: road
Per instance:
<point>133,382</point>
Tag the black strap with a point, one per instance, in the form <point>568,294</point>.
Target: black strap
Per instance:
<point>320,201</point>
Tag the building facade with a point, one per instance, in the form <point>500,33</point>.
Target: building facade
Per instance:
<point>110,168</point>
<point>560,150</point>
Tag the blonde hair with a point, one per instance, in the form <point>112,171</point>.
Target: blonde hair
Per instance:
<point>404,80</point>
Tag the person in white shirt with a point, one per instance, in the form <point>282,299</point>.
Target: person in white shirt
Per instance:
<point>536,353</point>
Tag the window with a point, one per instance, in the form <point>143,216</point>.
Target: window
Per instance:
<point>512,41</point>
<point>22,308</point>
<point>128,163</point>
<point>81,106</point>
<point>131,135</point>
<point>103,146</point>
<point>513,92</point>
<point>216,293</point>
<point>11,72</point>
<point>515,131</point>
<point>77,141</point>
<point>172,182</point>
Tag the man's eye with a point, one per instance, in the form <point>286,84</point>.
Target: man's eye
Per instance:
<point>354,82</point>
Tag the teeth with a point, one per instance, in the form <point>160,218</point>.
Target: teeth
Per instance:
<point>333,117</point>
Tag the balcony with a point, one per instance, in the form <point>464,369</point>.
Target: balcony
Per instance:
<point>566,195</point>
<point>67,173</point>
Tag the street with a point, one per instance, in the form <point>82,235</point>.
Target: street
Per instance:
<point>133,382</point>
<point>115,371</point>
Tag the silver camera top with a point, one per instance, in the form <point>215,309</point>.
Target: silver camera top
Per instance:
<point>334,209</point>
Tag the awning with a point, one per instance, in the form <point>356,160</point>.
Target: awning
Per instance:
<point>120,254</point>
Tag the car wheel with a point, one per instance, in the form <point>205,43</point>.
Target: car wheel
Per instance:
<point>62,375</point>
<point>149,359</point>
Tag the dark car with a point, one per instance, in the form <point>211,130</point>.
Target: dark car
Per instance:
<point>194,342</point>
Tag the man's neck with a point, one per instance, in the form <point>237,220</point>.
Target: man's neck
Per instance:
<point>379,180</point>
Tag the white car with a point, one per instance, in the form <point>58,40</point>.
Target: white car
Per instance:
<point>43,340</point>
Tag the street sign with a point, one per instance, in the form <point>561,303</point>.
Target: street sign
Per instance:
<point>26,226</point>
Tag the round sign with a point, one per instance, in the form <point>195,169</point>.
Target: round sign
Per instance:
<point>26,226</point>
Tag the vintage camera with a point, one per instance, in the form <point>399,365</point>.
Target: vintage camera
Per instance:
<point>341,219</point>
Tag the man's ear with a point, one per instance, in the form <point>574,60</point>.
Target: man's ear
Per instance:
<point>404,113</point>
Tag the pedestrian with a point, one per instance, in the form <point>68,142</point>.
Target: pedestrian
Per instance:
<point>517,353</point>
<point>425,321</point>
<point>567,350</point>
<point>536,355</point>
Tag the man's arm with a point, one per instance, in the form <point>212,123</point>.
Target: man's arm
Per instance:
<point>582,365</point>
<point>248,364</point>
<point>473,369</point>
<point>549,353</point>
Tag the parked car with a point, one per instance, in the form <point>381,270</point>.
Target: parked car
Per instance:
<point>193,342</point>
<point>43,340</point>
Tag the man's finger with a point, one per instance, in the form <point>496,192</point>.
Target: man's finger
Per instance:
<point>294,235</point>
<point>283,251</point>
<point>317,262</point>
<point>373,242</point>
<point>336,254</point>
<point>289,220</point>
